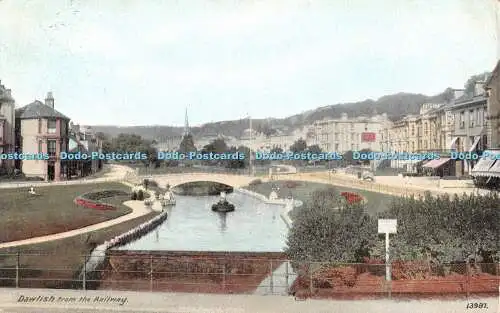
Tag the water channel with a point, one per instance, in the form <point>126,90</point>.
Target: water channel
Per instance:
<point>254,226</point>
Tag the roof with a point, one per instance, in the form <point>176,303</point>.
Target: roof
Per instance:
<point>37,110</point>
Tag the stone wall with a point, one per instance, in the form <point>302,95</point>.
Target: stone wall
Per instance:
<point>190,270</point>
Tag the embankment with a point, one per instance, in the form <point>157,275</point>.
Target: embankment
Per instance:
<point>91,269</point>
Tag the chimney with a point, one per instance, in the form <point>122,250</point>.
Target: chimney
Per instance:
<point>49,100</point>
<point>479,88</point>
<point>457,93</point>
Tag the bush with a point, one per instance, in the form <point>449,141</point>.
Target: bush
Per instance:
<point>448,228</point>
<point>140,195</point>
<point>134,195</point>
<point>329,277</point>
<point>153,183</point>
<point>322,234</point>
<point>255,182</point>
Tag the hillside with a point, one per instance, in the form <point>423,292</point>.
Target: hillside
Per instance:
<point>396,106</point>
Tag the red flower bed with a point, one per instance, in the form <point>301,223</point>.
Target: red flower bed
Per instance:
<point>351,197</point>
<point>93,205</point>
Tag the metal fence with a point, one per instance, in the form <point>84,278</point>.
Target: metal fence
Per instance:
<point>236,274</point>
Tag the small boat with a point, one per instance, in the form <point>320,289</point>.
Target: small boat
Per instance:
<point>168,199</point>
<point>223,206</point>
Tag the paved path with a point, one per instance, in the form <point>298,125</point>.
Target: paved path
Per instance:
<point>114,173</point>
<point>392,187</point>
<point>211,303</point>
<point>138,209</point>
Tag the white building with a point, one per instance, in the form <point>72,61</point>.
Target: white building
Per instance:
<point>350,134</point>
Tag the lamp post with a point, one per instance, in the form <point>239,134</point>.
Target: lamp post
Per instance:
<point>251,156</point>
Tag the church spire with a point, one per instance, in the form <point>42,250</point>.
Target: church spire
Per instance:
<point>186,124</point>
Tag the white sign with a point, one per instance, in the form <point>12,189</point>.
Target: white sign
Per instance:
<point>386,226</point>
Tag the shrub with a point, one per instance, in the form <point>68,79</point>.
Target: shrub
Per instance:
<point>140,195</point>
<point>329,277</point>
<point>134,195</point>
<point>152,183</point>
<point>255,182</point>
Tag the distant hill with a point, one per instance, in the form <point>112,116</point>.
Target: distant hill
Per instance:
<point>396,106</point>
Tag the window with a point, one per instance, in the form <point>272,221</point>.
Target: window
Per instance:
<point>39,125</point>
<point>480,117</point>
<point>51,126</point>
<point>461,119</point>
<point>471,118</point>
<point>51,147</point>
<point>40,149</point>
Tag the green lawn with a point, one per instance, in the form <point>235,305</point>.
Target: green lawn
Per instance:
<point>57,261</point>
<point>52,210</point>
<point>376,202</point>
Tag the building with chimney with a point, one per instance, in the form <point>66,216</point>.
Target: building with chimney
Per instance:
<point>42,129</point>
<point>84,140</point>
<point>7,128</point>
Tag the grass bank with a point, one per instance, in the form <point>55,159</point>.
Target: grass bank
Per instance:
<point>55,264</point>
<point>301,190</point>
<point>52,210</point>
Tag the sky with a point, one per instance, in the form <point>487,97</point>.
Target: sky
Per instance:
<point>126,62</point>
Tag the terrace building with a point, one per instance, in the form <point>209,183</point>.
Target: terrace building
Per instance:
<point>492,87</point>
<point>470,124</point>
<point>83,139</point>
<point>7,128</point>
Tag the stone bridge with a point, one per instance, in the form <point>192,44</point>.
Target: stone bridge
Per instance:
<point>179,179</point>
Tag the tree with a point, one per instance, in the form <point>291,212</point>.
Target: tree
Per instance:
<point>187,144</point>
<point>216,146</point>
<point>329,229</point>
<point>299,146</point>
<point>235,164</point>
<point>470,85</point>
<point>276,149</point>
<point>314,149</point>
<point>348,158</point>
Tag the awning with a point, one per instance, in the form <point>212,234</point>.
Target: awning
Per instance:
<point>474,145</point>
<point>496,167</point>
<point>482,167</point>
<point>436,163</point>
<point>453,142</point>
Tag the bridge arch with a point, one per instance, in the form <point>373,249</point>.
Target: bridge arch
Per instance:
<point>174,180</point>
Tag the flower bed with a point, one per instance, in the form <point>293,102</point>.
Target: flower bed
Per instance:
<point>93,204</point>
<point>91,200</point>
<point>351,197</point>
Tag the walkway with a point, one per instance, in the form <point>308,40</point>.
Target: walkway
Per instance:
<point>115,173</point>
<point>393,185</point>
<point>138,210</point>
<point>137,302</point>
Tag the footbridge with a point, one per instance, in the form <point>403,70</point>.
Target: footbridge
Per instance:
<point>173,180</point>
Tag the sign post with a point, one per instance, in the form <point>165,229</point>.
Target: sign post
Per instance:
<point>387,226</point>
